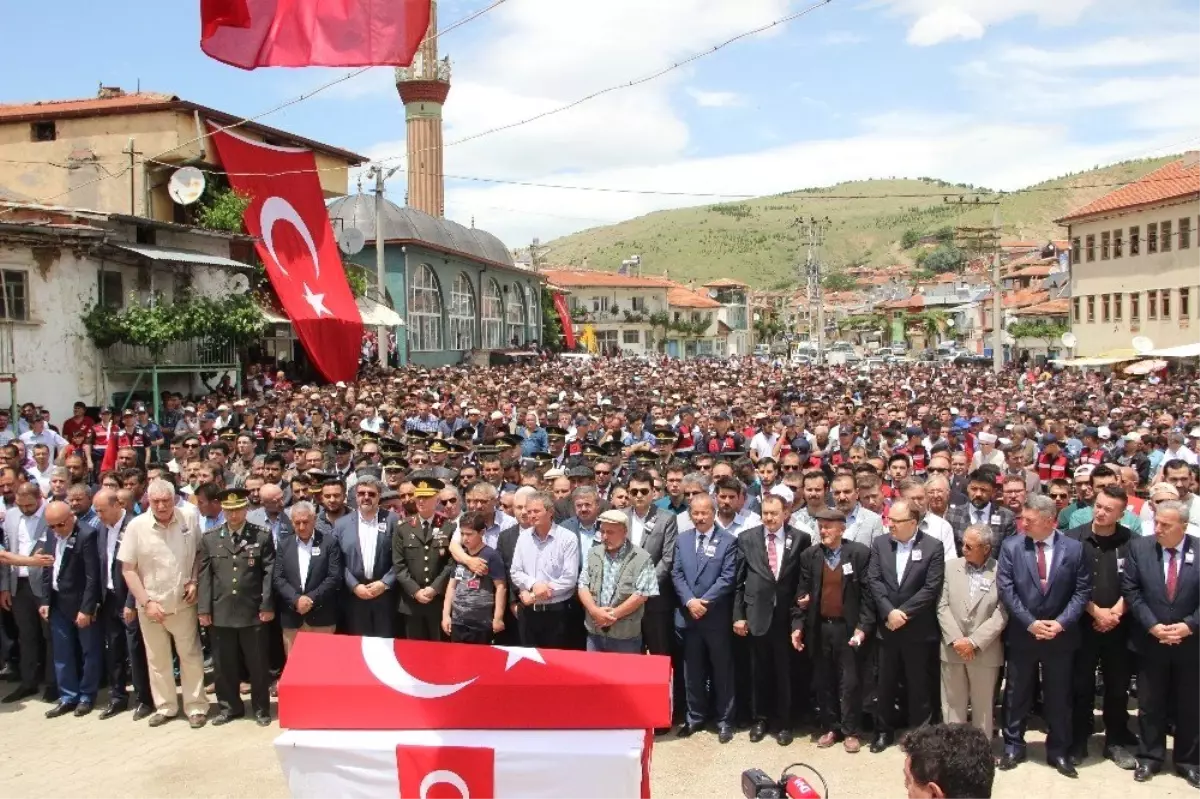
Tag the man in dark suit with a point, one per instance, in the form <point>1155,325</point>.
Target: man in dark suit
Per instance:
<point>422,563</point>
<point>1045,583</point>
<point>703,574</point>
<point>833,617</point>
<point>981,508</point>
<point>1161,588</point>
<point>24,533</point>
<point>768,563</point>
<point>235,601</point>
<point>366,540</point>
<point>70,600</point>
<point>906,572</point>
<point>118,615</point>
<point>307,577</point>
<point>654,530</point>
<point>1104,633</point>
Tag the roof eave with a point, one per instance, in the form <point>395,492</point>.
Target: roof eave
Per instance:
<point>1174,199</point>
<point>466,256</point>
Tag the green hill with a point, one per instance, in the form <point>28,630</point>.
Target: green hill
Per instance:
<point>758,242</point>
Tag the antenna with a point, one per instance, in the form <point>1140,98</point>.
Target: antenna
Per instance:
<point>186,185</point>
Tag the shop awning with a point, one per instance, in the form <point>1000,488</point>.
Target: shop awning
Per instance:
<point>1182,351</point>
<point>373,314</point>
<point>178,256</point>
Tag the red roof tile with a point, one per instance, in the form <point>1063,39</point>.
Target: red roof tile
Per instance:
<point>1034,270</point>
<point>915,302</point>
<point>1173,181</point>
<point>1049,308</point>
<point>682,297</point>
<point>725,282</point>
<point>587,278</point>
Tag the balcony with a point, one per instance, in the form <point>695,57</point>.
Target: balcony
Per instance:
<point>178,356</point>
<point>424,69</point>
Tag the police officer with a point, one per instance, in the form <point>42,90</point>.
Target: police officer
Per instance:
<point>235,603</point>
<point>422,562</point>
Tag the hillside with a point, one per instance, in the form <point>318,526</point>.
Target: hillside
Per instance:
<point>757,241</point>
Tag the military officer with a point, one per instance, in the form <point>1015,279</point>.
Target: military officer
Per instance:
<point>235,603</point>
<point>422,562</point>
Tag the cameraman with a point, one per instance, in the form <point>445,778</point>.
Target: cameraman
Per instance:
<point>950,760</point>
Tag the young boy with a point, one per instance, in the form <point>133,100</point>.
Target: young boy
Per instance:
<point>474,606</point>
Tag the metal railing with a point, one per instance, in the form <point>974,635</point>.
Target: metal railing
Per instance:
<point>8,358</point>
<point>193,352</point>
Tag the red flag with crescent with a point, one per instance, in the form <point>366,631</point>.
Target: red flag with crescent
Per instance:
<point>300,33</point>
<point>564,316</point>
<point>295,241</point>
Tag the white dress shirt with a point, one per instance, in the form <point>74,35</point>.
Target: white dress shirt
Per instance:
<point>111,545</point>
<point>1166,562</point>
<point>368,538</point>
<point>904,550</point>
<point>780,541</point>
<point>25,540</point>
<point>637,527</point>
<point>980,515</point>
<point>1049,550</point>
<point>304,553</point>
<point>60,546</point>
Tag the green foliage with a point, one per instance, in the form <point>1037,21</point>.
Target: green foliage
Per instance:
<point>863,323</point>
<point>946,258</point>
<point>910,239</point>
<point>552,330</point>
<point>224,211</point>
<point>689,329</point>
<point>735,210</point>
<point>356,276</point>
<point>1037,329</point>
<point>235,319</point>
<point>783,284</point>
<point>766,330</point>
<point>945,234</point>
<point>838,281</point>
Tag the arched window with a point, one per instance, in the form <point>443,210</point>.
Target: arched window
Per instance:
<point>462,314</point>
<point>492,316</point>
<point>514,315</point>
<point>532,300</point>
<point>424,311</point>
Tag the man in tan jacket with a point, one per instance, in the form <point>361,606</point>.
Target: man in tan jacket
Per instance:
<point>971,618</point>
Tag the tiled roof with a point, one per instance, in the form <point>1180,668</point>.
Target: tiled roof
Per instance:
<point>915,302</point>
<point>1025,297</point>
<point>1173,181</point>
<point>142,102</point>
<point>1033,270</point>
<point>725,282</point>
<point>1049,308</point>
<point>682,297</point>
<point>588,278</point>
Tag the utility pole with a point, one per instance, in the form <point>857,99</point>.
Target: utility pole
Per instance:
<point>381,334</point>
<point>814,231</point>
<point>133,153</point>
<point>981,240</point>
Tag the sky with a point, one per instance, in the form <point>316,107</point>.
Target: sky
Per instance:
<point>997,93</point>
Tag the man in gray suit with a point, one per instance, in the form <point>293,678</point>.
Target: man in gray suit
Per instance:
<point>21,591</point>
<point>971,617</point>
<point>862,525</point>
<point>654,530</point>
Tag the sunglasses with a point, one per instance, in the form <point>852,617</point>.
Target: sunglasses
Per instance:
<point>640,492</point>
<point>690,494</point>
<point>603,471</point>
<point>939,470</point>
<point>366,494</point>
<point>788,468</point>
<point>1060,496</point>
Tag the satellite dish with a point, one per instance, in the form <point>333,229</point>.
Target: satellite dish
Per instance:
<point>239,284</point>
<point>712,293</point>
<point>949,323</point>
<point>186,185</point>
<point>351,240</point>
<point>1142,344</point>
<point>1069,340</point>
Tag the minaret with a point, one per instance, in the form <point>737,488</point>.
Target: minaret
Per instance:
<point>423,88</point>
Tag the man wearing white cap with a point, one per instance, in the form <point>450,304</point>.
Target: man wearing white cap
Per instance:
<point>987,452</point>
<point>617,579</point>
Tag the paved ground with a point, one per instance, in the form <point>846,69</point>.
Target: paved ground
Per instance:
<point>88,757</point>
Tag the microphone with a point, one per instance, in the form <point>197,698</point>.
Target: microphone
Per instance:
<point>796,787</point>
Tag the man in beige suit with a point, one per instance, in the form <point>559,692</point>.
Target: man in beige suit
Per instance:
<point>971,617</point>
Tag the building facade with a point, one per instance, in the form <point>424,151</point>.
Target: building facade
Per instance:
<point>456,288</point>
<point>1135,263</point>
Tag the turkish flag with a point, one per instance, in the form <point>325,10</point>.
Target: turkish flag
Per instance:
<point>446,772</point>
<point>295,241</point>
<point>301,33</point>
<point>564,316</point>
<point>352,683</point>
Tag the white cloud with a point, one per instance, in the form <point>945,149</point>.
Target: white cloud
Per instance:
<point>706,99</point>
<point>937,21</point>
<point>843,37</point>
<point>1117,51</point>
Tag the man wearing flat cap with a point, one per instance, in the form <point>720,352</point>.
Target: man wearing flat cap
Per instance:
<point>616,581</point>
<point>422,562</point>
<point>236,603</point>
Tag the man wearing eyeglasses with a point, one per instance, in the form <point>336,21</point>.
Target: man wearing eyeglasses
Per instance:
<point>905,576</point>
<point>366,540</point>
<point>655,531</point>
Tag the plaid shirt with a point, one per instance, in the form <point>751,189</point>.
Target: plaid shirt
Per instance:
<point>646,583</point>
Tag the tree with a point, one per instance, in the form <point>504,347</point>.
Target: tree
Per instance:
<point>910,239</point>
<point>946,258</point>
<point>552,332</point>
<point>933,323</point>
<point>1039,329</point>
<point>224,211</point>
<point>660,320</point>
<point>838,281</point>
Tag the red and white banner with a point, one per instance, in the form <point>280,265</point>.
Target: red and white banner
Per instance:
<point>564,316</point>
<point>471,764</point>
<point>300,33</point>
<point>287,215</point>
<point>341,682</point>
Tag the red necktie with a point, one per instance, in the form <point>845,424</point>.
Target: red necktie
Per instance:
<point>1041,553</point>
<point>1172,575</point>
<point>772,558</point>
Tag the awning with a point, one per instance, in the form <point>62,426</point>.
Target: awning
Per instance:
<point>373,314</point>
<point>177,256</point>
<point>1182,351</point>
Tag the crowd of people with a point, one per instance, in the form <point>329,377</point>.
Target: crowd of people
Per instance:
<point>857,552</point>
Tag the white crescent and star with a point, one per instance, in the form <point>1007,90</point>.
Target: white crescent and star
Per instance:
<point>447,777</point>
<point>277,209</point>
<point>380,656</point>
